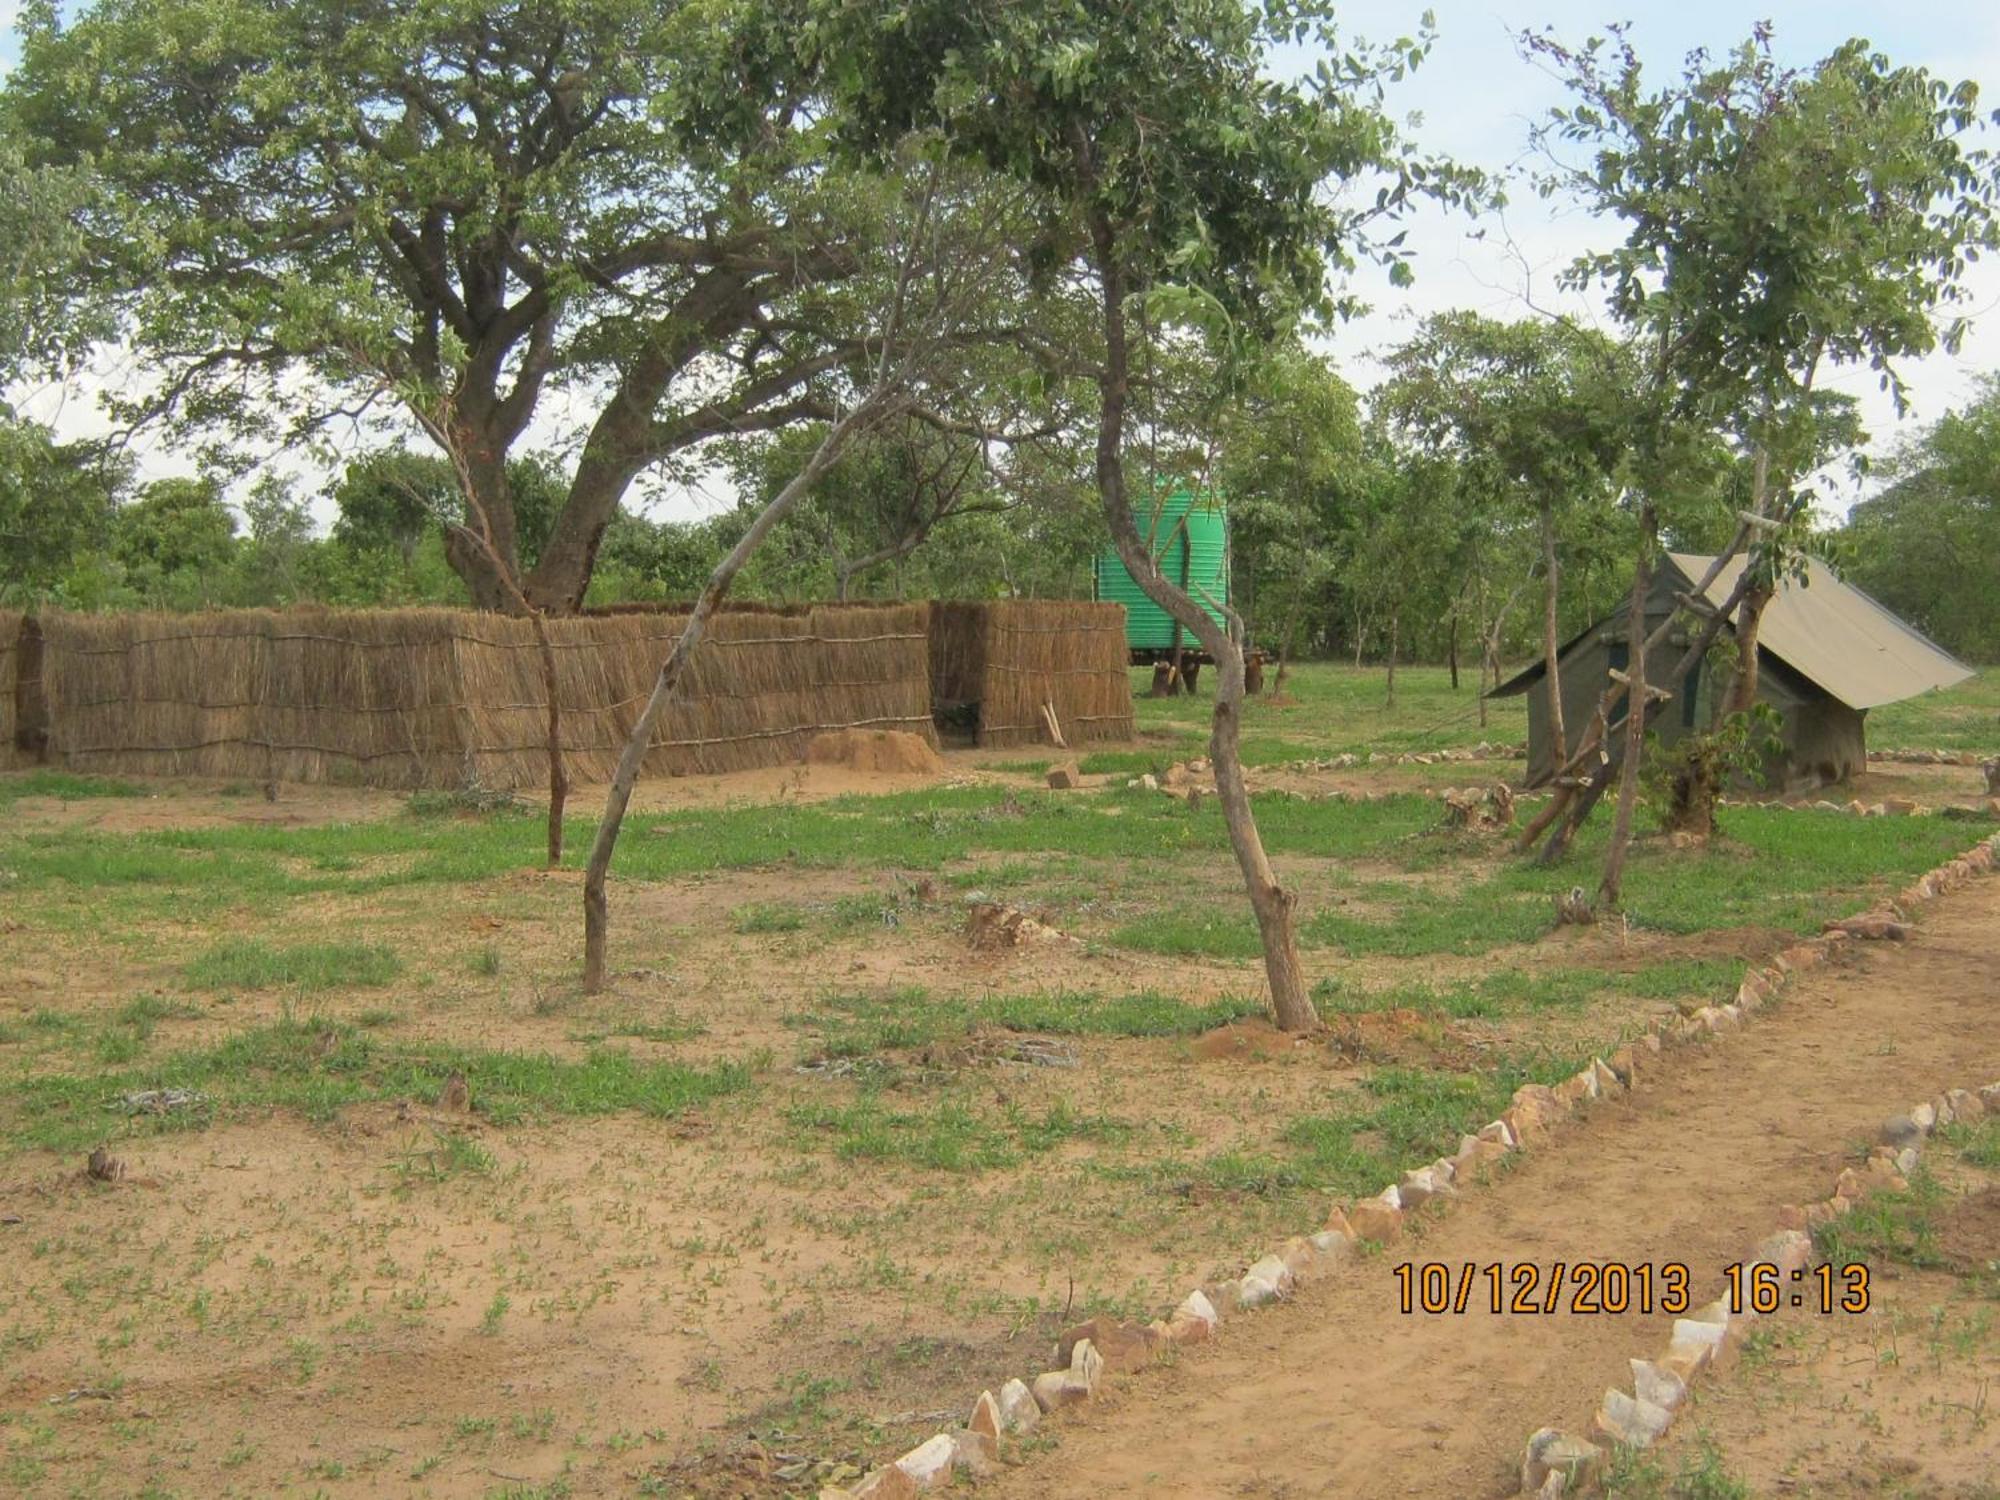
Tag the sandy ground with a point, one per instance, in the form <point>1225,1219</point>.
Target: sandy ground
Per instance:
<point>278,1306</point>
<point>1341,1394</point>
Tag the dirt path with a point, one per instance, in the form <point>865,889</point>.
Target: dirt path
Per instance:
<point>1340,1394</point>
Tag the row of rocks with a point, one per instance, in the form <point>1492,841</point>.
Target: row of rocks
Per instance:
<point>1558,1464</point>
<point>1348,761</point>
<point>1929,757</point>
<point>1089,1351</point>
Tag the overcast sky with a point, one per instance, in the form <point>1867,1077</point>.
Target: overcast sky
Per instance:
<point>1475,100</point>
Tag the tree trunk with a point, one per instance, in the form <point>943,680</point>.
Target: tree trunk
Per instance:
<point>1395,640</point>
<point>1451,650</point>
<point>1551,645</point>
<point>1273,904</point>
<point>1610,887</point>
<point>1749,623</point>
<point>619,795</point>
<point>558,777</point>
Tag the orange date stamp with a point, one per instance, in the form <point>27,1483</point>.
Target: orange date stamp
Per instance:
<point>1615,1288</point>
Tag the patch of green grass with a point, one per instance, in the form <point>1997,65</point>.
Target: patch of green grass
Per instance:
<point>1218,930</point>
<point>1978,1144</point>
<point>853,1025</point>
<point>1886,1226</point>
<point>1966,717</point>
<point>1636,1474</point>
<point>319,1067</point>
<point>767,916</point>
<point>64,786</point>
<point>1503,992</point>
<point>948,1135</point>
<point>450,1153</point>
<point>1405,1118</point>
<point>248,964</point>
<point>464,802</point>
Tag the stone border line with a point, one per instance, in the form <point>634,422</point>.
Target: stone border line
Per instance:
<point>1090,1352</point>
<point>1556,1464</point>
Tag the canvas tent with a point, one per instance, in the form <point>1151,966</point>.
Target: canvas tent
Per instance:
<point>1827,653</point>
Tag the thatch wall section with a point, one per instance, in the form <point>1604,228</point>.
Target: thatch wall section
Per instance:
<point>1068,654</point>
<point>11,753</point>
<point>411,698</point>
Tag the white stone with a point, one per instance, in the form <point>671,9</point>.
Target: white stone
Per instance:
<point>1660,1387</point>
<point>1926,1118</point>
<point>1019,1411</point>
<point>1267,1281</point>
<point>1695,1333</point>
<point>1631,1421</point>
<point>1198,1308</point>
<point>929,1463</point>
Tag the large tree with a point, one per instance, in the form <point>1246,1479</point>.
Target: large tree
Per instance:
<point>1181,184</point>
<point>438,215</point>
<point>1926,545</point>
<point>1533,412</point>
<point>1779,222</point>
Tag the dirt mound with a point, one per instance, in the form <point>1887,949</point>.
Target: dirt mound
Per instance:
<point>1250,1039</point>
<point>891,752</point>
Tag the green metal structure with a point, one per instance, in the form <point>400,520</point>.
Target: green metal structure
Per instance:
<point>1188,536</point>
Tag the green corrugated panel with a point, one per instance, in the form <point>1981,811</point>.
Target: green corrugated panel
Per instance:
<point>1182,533</point>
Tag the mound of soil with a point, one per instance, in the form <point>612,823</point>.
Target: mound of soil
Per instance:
<point>1250,1039</point>
<point>891,752</point>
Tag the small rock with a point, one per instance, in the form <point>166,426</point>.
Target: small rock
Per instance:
<point>1550,1452</point>
<point>1925,1117</point>
<point>1375,1220</point>
<point>1331,1247</point>
<point>1194,1320</point>
<point>929,1463</point>
<point>1625,1064</point>
<point>1124,1346</point>
<point>975,1453</point>
<point>1661,1387</point>
<point>1900,1131</point>
<point>1019,1411</point>
<point>1608,1082</point>
<point>1624,1421</point>
<point>889,1483</point>
<point>985,1418</point>
<point>1336,1223</point>
<point>1941,1108</point>
<point>1906,1160</point>
<point>1269,1280</point>
<point>1150,782</point>
<point>1064,778</point>
<point>1500,1133</point>
<point>1052,1390</point>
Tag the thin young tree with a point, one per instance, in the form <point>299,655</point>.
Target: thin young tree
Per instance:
<point>1778,220</point>
<point>1183,185</point>
<point>944,264</point>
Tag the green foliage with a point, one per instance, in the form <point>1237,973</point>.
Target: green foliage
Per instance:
<point>1924,545</point>
<point>247,963</point>
<point>317,1068</point>
<point>1700,763</point>
<point>56,509</point>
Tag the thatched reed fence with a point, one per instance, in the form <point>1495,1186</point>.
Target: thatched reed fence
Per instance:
<point>1013,657</point>
<point>15,698</point>
<point>444,698</point>
<point>432,697</point>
